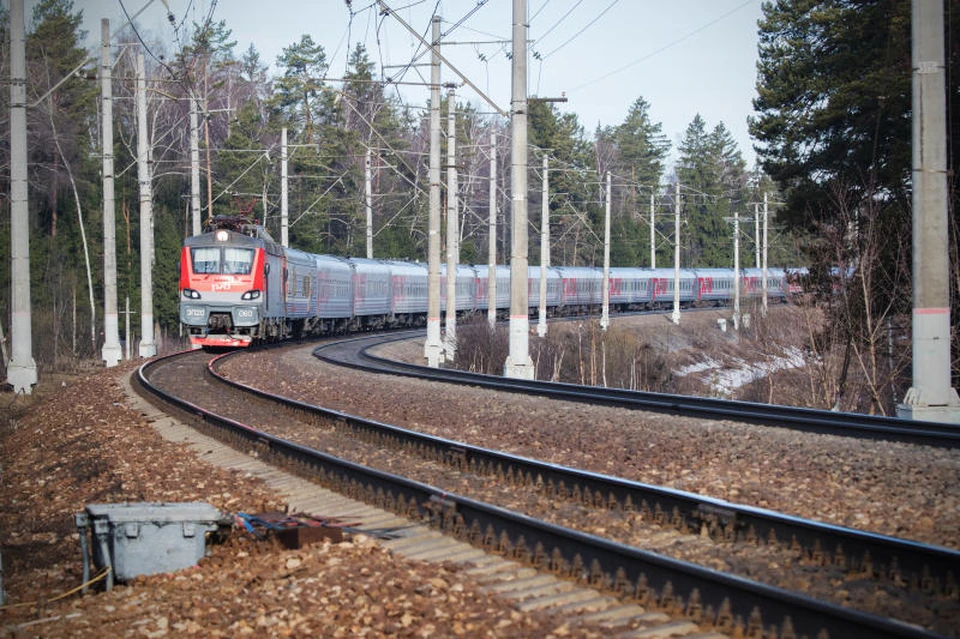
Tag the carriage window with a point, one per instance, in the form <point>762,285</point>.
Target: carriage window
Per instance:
<point>237,261</point>
<point>205,260</point>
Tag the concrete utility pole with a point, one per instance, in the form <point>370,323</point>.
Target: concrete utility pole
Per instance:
<point>368,200</point>
<point>605,304</point>
<point>206,141</point>
<point>544,247</point>
<point>736,270</point>
<point>653,235</point>
<point>21,369</point>
<point>675,316</point>
<point>492,237</point>
<point>284,190</point>
<point>453,229</point>
<point>763,306</point>
<point>194,165</point>
<point>148,347</point>
<point>432,347</point>
<point>756,234</point>
<point>128,335</point>
<point>931,398</point>
<point>518,364</point>
<point>111,352</point>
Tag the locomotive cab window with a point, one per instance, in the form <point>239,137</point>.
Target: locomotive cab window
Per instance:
<point>237,261</point>
<point>205,260</point>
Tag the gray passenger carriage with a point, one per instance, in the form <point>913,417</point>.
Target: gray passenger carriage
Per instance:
<point>334,287</point>
<point>629,287</point>
<point>372,295</point>
<point>581,288</point>
<point>502,275</point>
<point>409,292</point>
<point>465,288</point>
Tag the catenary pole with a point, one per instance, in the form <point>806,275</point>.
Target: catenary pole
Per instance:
<point>675,316</point>
<point>21,369</point>
<point>127,335</point>
<point>605,293</point>
<point>148,347</point>
<point>763,306</point>
<point>653,234</point>
<point>432,347</point>
<point>544,247</point>
<point>206,140</point>
<point>736,272</point>
<point>368,199</point>
<point>930,398</point>
<point>518,364</point>
<point>453,230</point>
<point>756,234</point>
<point>111,352</point>
<point>194,165</point>
<point>492,237</point>
<point>284,190</point>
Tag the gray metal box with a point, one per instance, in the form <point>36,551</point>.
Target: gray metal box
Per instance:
<point>146,538</point>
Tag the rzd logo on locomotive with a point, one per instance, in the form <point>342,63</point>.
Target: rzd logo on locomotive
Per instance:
<point>245,313</point>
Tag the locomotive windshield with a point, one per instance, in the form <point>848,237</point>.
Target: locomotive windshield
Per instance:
<point>237,261</point>
<point>221,261</point>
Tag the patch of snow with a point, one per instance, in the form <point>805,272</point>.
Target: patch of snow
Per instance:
<point>699,367</point>
<point>727,377</point>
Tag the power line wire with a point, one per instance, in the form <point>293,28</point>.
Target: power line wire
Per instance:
<point>466,17</point>
<point>538,11</point>
<point>665,47</point>
<point>578,33</point>
<point>558,22</point>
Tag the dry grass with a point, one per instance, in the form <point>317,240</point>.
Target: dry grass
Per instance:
<point>651,353</point>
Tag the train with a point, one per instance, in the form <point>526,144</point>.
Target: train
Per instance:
<point>239,287</point>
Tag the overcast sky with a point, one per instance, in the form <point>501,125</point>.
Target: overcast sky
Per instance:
<point>682,56</point>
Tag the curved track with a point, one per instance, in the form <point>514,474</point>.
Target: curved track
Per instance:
<point>356,353</point>
<point>618,566</point>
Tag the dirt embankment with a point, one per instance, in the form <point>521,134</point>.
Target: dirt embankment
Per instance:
<point>762,359</point>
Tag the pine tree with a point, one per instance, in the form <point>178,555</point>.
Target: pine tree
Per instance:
<point>639,150</point>
<point>576,210</point>
<point>833,100</point>
<point>712,179</point>
<point>297,91</point>
<point>641,145</point>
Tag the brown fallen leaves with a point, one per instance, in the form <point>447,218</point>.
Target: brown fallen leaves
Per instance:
<point>79,444</point>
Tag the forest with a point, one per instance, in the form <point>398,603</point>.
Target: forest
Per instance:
<point>831,130</point>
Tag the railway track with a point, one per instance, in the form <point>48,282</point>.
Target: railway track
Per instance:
<point>357,354</point>
<point>613,565</point>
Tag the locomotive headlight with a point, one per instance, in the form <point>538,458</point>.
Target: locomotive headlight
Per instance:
<point>189,293</point>
<point>250,295</point>
<point>222,235</point>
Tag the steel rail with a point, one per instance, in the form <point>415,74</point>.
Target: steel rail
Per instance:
<point>857,425</point>
<point>924,566</point>
<point>649,578</point>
